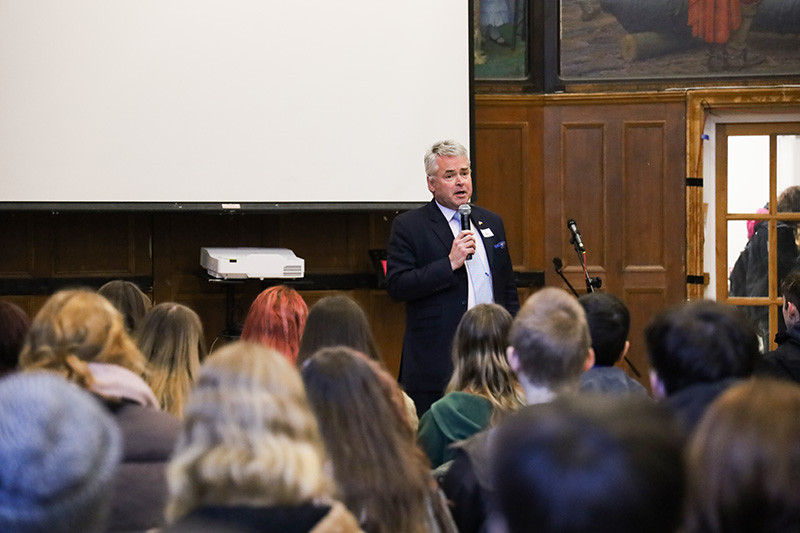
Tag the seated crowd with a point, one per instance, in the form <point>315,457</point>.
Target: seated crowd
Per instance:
<point>115,417</point>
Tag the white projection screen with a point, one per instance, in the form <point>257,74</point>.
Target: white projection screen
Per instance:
<point>228,102</point>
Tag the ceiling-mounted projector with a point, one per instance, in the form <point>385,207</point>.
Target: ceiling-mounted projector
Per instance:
<point>243,263</point>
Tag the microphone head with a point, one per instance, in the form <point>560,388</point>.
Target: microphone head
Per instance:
<point>557,262</point>
<point>464,209</point>
<point>570,222</point>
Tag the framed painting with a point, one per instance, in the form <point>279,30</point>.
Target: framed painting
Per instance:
<point>628,40</point>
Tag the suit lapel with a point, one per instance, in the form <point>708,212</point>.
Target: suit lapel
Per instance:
<point>439,226</point>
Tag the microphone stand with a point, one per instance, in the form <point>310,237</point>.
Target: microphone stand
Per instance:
<point>558,264</point>
<point>591,285</point>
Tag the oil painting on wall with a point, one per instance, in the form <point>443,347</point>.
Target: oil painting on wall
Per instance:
<point>629,39</point>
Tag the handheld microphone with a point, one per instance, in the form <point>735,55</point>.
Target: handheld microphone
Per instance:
<point>576,235</point>
<point>464,210</point>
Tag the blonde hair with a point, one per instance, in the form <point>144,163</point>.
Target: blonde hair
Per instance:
<point>76,327</point>
<point>479,359</point>
<point>170,336</point>
<point>248,437</point>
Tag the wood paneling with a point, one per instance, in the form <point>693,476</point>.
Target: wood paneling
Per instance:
<point>616,168</point>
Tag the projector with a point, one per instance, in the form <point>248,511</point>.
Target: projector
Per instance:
<point>243,263</point>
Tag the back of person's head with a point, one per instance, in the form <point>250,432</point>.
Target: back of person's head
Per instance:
<point>59,451</point>
<point>609,324</point>
<point>76,327</point>
<point>363,423</point>
<point>790,288</point>
<point>170,336</point>
<point>248,436</point>
<point>479,357</point>
<point>14,326</point>
<point>129,299</point>
<point>551,339</point>
<point>743,461</point>
<point>589,464</point>
<point>700,342</point>
<point>446,148</point>
<point>276,319</point>
<point>789,200</point>
<point>337,321</point>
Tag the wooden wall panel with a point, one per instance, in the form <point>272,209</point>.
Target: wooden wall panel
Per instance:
<point>647,303</point>
<point>644,180</point>
<point>615,166</point>
<point>100,244</point>
<point>17,240</point>
<point>582,196</point>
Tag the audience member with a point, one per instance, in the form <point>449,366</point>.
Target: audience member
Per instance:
<point>549,348</point>
<point>170,336</point>
<point>609,323</point>
<point>59,450</point>
<point>250,457</point>
<point>696,351</point>
<point>483,387</point>
<point>383,476</point>
<point>14,325</point>
<point>750,274</point>
<point>276,319</point>
<point>588,464</point>
<point>80,335</point>
<point>743,461</point>
<point>784,362</point>
<point>339,321</point>
<point>129,300</point>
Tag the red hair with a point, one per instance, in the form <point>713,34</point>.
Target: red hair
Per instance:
<point>276,319</point>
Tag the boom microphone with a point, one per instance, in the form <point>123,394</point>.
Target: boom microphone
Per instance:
<point>576,235</point>
<point>464,210</point>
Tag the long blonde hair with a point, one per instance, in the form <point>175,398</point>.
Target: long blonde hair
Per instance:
<point>479,359</point>
<point>76,327</point>
<point>170,336</point>
<point>248,437</point>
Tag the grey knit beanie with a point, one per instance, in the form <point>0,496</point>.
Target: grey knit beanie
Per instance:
<point>59,451</point>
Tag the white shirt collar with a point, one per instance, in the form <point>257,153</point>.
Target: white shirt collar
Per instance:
<point>446,211</point>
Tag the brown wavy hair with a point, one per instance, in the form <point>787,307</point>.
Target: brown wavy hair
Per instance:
<point>170,336</point>
<point>383,476</point>
<point>76,327</point>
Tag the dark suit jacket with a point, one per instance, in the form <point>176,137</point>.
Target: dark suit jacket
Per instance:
<point>419,273</point>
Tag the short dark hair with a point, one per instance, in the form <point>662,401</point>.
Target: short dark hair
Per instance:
<point>588,463</point>
<point>790,288</point>
<point>609,324</point>
<point>700,342</point>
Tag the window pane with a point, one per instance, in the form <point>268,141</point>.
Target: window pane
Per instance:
<point>748,173</point>
<point>501,39</point>
<point>788,161</point>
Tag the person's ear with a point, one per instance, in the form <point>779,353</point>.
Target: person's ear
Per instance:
<point>430,183</point>
<point>657,386</point>
<point>589,363</point>
<point>513,359</point>
<point>625,350</point>
<point>791,311</point>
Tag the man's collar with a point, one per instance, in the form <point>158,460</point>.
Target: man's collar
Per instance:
<point>446,211</point>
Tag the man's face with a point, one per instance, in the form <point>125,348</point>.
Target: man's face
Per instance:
<point>452,184</point>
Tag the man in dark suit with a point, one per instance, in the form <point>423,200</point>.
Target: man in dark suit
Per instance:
<point>441,270</point>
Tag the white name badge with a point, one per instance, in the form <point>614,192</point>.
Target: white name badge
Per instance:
<point>487,232</point>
